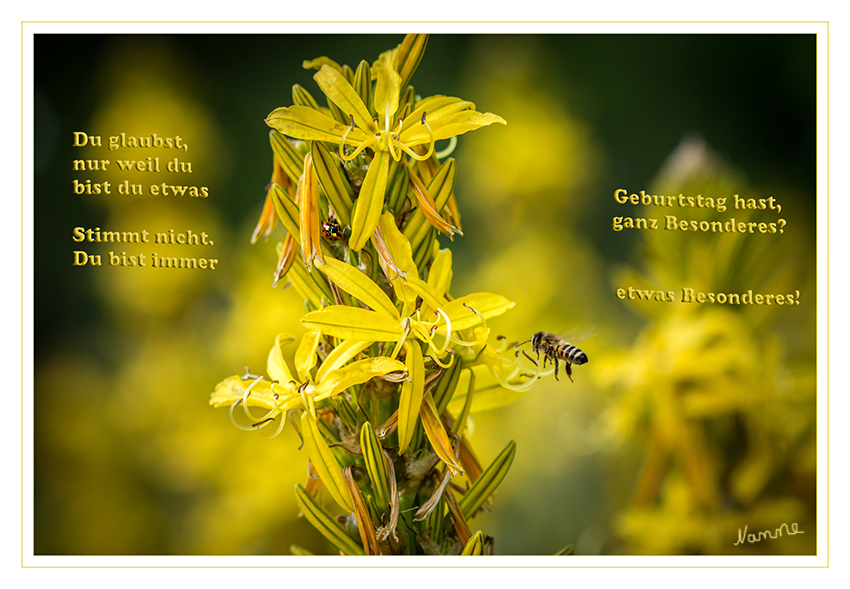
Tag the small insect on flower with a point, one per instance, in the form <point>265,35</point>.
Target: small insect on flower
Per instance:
<point>555,348</point>
<point>332,230</point>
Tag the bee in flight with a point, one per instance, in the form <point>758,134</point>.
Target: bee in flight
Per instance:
<point>555,348</point>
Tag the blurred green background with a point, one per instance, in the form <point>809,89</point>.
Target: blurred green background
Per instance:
<point>688,423</point>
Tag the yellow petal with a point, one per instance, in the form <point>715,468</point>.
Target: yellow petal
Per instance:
<point>358,285</point>
<point>440,275</point>
<point>411,395</point>
<point>387,86</point>
<point>370,202</point>
<point>434,107</point>
<point>401,257</point>
<point>338,90</point>
<point>305,355</point>
<point>276,366</point>
<point>358,372</point>
<point>325,462</point>
<point>432,299</point>
<point>353,323</point>
<point>303,122</point>
<point>487,304</point>
<point>319,62</point>
<point>233,389</point>
<point>340,355</point>
<point>450,126</point>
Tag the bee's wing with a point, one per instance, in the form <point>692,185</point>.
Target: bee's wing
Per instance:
<point>577,335</point>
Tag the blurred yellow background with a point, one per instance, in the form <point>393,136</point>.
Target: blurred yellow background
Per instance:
<point>688,423</point>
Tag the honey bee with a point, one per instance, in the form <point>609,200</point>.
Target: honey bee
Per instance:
<point>555,348</point>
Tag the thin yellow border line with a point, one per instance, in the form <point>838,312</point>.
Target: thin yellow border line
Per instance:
<point>484,566</point>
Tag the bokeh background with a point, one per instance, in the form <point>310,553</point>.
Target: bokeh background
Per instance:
<point>688,423</point>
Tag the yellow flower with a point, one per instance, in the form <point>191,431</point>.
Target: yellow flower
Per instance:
<point>396,130</point>
<point>285,390</point>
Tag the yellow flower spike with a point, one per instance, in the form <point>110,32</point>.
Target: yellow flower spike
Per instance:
<point>436,433</point>
<point>354,323</point>
<point>311,244</point>
<point>358,285</point>
<point>325,462</point>
<point>361,514</point>
<point>412,392</point>
<point>370,202</point>
<point>305,355</point>
<point>428,207</point>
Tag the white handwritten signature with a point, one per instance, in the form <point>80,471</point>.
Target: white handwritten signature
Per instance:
<point>744,537</point>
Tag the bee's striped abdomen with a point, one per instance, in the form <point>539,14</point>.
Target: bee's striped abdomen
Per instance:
<point>569,353</point>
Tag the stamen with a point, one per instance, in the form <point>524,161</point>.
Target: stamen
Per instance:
<point>246,428</point>
<point>344,135</point>
<point>448,332</point>
<point>399,343</point>
<point>449,149</point>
